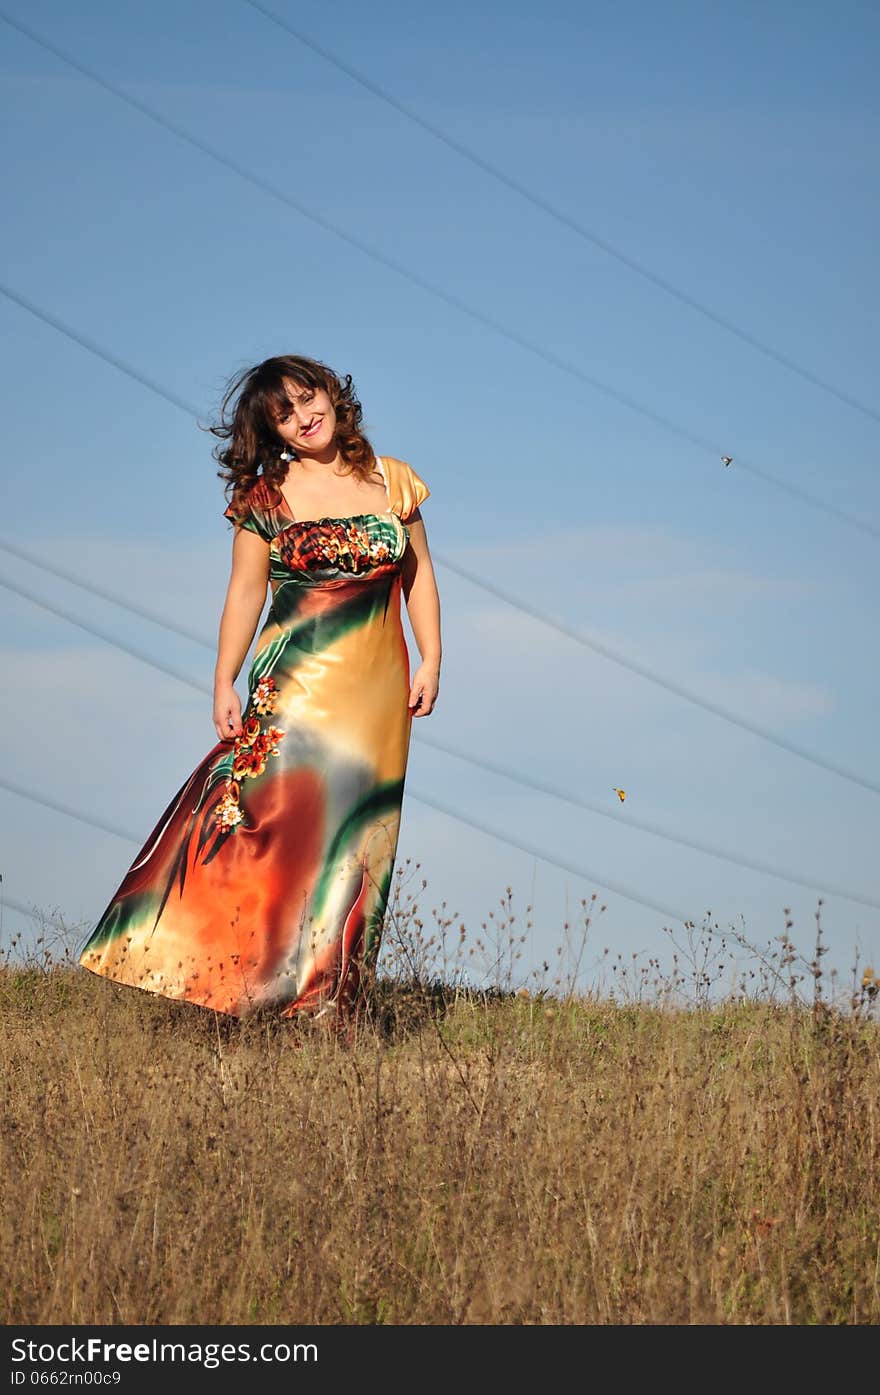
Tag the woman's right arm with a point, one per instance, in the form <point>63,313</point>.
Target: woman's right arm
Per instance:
<point>245,598</point>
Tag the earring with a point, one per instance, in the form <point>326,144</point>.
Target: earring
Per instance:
<point>287,455</point>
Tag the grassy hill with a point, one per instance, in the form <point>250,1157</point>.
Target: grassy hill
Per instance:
<point>496,1156</point>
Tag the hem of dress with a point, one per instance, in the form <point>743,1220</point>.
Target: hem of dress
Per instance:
<point>170,997</point>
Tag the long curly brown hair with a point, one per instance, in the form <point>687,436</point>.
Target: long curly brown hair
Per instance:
<point>251,402</point>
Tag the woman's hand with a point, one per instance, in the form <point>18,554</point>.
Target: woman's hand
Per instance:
<point>227,711</point>
<point>424,689</point>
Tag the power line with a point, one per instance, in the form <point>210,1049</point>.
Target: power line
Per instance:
<point>647,826</point>
<point>463,307</point>
<point>794,491</point>
<point>606,652</point>
<point>494,767</point>
<point>544,856</point>
<point>105,635</point>
<point>554,861</point>
<point>16,905</point>
<point>93,347</point>
<point>479,316</point>
<point>668,684</point>
<point>559,216</point>
<point>58,807</point>
<point>586,641</point>
<point>550,858</point>
<point>578,636</point>
<point>36,560</point>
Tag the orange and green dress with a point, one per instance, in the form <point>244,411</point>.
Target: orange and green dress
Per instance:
<point>264,884</point>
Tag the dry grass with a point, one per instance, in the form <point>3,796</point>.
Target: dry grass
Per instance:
<point>473,1157</point>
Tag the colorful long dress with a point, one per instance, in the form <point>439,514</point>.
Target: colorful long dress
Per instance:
<point>264,884</point>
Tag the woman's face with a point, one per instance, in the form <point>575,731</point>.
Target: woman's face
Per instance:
<point>309,425</point>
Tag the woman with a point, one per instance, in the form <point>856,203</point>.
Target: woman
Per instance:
<point>265,882</point>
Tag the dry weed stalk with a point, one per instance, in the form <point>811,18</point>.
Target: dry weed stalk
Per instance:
<point>698,1146</point>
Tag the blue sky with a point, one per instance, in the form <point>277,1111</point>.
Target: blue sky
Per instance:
<point>730,150</point>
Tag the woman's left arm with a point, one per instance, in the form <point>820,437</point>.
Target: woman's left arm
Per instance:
<point>423,608</point>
